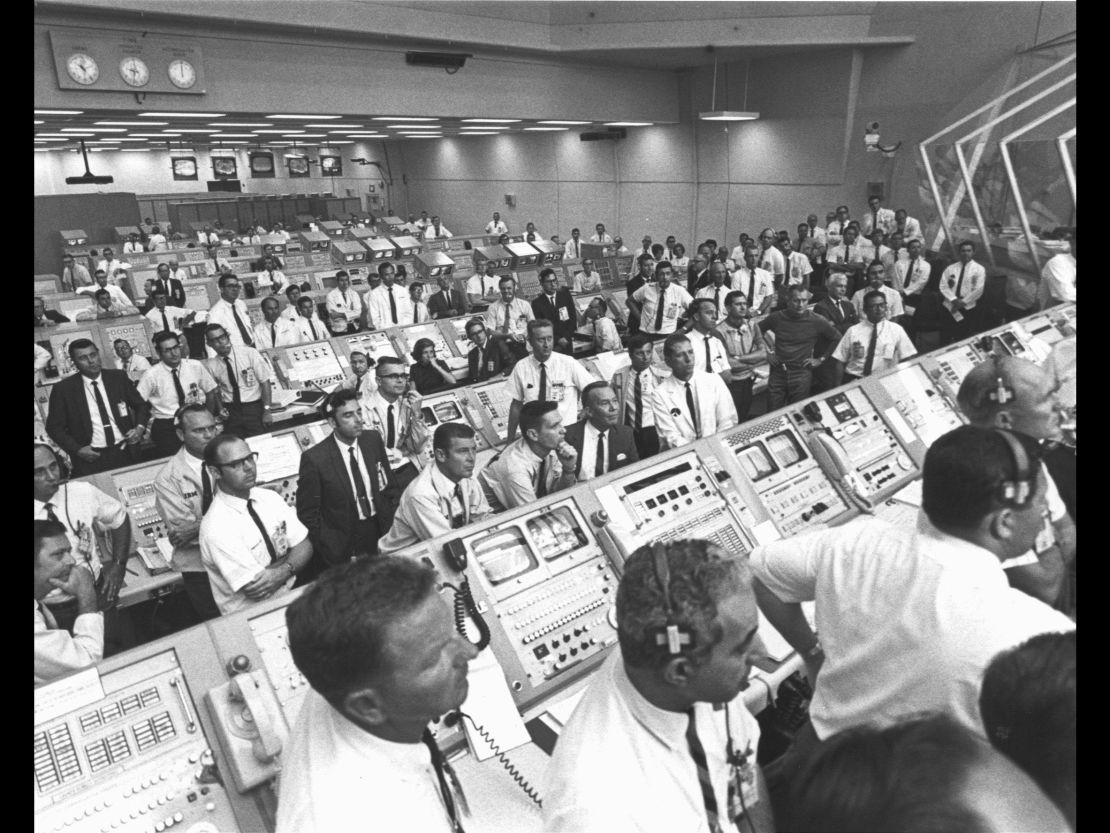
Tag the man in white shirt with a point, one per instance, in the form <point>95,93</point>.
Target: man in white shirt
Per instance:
<point>482,288</point>
<point>75,275</point>
<point>910,619</point>
<point>588,280</point>
<point>293,294</point>
<point>166,318</point>
<point>133,245</point>
<point>635,386</point>
<point>112,265</point>
<point>546,376</point>
<point>117,295</point>
<point>176,272</point>
<point>600,235</point>
<point>215,264</point>
<point>531,234</point>
<point>912,273</point>
<point>645,248</point>
<point>130,362</point>
<point>757,284</point>
<point>745,350</point>
<point>275,330</point>
<point>798,267</point>
<point>344,299</point>
<point>600,327</point>
<point>105,307</point>
<point>435,231</point>
<point>961,286</point>
<point>873,345</point>
<point>834,228</point>
<point>877,218</point>
<point>251,542</point>
<point>619,248</point>
<point>308,323</point>
<point>156,242</point>
<point>388,304</point>
<point>244,380</point>
<point>1058,277</point>
<point>770,258</point>
<point>422,223</point>
<point>379,647</point>
<point>208,237</point>
<point>573,248</point>
<point>56,651</point>
<point>270,276</point>
<point>910,228</point>
<point>495,226</point>
<point>718,289</point>
<point>650,747</point>
<point>169,385</point>
<point>690,404</point>
<point>848,258</point>
<point>876,273</point>
<point>507,319</point>
<point>444,496</point>
<point>538,463</point>
<point>659,305</point>
<point>710,353</point>
<point>231,313</point>
<point>390,410</point>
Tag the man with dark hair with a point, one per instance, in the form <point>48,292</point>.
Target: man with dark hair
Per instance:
<point>876,275</point>
<point>444,496</point>
<point>598,327</point>
<point>1028,705</point>
<point>1057,284</point>
<point>689,404</point>
<point>169,385</point>
<point>387,305</point>
<point>380,650</point>
<point>343,491</point>
<point>670,695</point>
<point>56,651</point>
<point>744,349</point>
<point>75,275</point>
<point>546,376</point>
<point>343,299</point>
<point>183,491</point>
<point>635,386</point>
<point>448,302</point>
<point>275,329</point>
<point>645,274</point>
<point>600,441</point>
<point>507,320</point>
<point>536,464</point>
<point>923,775</point>
<point>95,416</point>
<point>487,358</point>
<point>230,311</point>
<point>173,287</point>
<point>308,323</point>
<point>251,542</point>
<point>758,285</point>
<point>848,258</point>
<point>244,380</point>
<point>47,317</point>
<point>961,286</point>
<point>393,410</point>
<point>791,336</point>
<point>481,288</point>
<point>659,305</point>
<point>873,345</point>
<point>130,362</point>
<point>556,304</point>
<point>910,619</point>
<point>104,306</point>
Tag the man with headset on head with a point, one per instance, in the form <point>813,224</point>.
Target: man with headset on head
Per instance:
<point>662,739</point>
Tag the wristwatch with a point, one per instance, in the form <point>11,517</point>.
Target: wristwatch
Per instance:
<point>813,652</point>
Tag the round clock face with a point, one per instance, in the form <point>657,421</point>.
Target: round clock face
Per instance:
<point>134,71</point>
<point>82,68</point>
<point>182,74</point>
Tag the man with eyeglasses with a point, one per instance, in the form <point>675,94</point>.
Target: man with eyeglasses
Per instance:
<point>244,380</point>
<point>391,410</point>
<point>873,345</point>
<point>251,542</point>
<point>169,385</point>
<point>231,313</point>
<point>507,319</point>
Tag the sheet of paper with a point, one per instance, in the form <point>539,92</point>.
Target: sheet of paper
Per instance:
<point>491,706</point>
<point>766,532</point>
<point>562,710</point>
<point>905,433</point>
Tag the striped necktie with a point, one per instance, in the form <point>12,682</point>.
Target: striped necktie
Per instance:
<point>697,752</point>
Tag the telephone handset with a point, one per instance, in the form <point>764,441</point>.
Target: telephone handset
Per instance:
<point>454,552</point>
<point>832,458</point>
<point>251,727</point>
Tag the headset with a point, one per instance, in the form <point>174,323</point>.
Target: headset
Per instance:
<point>673,636</point>
<point>1001,393</point>
<point>63,467</point>
<point>1018,491</point>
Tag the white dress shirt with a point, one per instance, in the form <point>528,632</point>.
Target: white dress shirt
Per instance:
<point>231,545</point>
<point>157,387</point>
<point>481,285</point>
<point>336,774</point>
<point>135,367</point>
<point>282,332</point>
<point>675,300</point>
<point>432,233</point>
<point>98,440</point>
<point>118,295</point>
<point>156,242</point>
<point>83,510</point>
<point>911,230</point>
<point>512,318</point>
<point>496,227</point>
<point>856,253</point>
<point>624,381</point>
<point>221,313</point>
<point>673,421</point>
<point>275,279</point>
<point>217,266</point>
<point>605,238</point>
<point>511,478</point>
<point>1058,280</point>
<point>623,764</point>
<point>363,470</point>
<point>604,333</point>
<point>886,221</point>
<point>799,267</point>
<point>376,412</point>
<point>110,267</point>
<point>566,379</point>
<point>893,301</point>
<point>43,357</point>
<point>908,620</point>
<point>572,249</point>
<point>180,273</point>
<point>379,311</point>
<point>771,260</point>
<point>834,233</point>
<point>758,291</point>
<point>347,303</point>
<point>429,505</point>
<point>310,328</point>
<point>717,361</point>
<point>891,346</point>
<point>251,371</point>
<point>131,248</point>
<point>587,463</point>
<point>910,276</point>
<point>717,294</point>
<point>174,317</point>
<point>58,653</point>
<point>975,281</point>
<point>587,282</point>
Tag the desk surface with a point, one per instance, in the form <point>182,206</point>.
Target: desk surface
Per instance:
<point>139,584</point>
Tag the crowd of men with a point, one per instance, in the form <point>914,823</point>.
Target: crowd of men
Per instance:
<point>908,621</point>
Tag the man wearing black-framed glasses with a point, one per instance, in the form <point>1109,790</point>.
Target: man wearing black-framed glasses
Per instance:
<point>391,410</point>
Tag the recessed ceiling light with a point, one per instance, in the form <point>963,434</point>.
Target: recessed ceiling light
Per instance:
<point>481,133</point>
<point>54,136</point>
<point>298,116</point>
<point>197,130</point>
<point>545,129</point>
<point>185,115</point>
<point>93,130</point>
<point>134,150</point>
<point>130,140</point>
<point>78,135</point>
<point>58,112</point>
<point>487,127</point>
<point>628,124</point>
<point>154,135</point>
<point>134,123</point>
<point>404,118</point>
<point>229,135</point>
<point>39,121</point>
<point>279,132</point>
<point>412,127</point>
<point>355,126</point>
<point>241,124</point>
<point>301,134</point>
<point>492,121</point>
<point>551,121</point>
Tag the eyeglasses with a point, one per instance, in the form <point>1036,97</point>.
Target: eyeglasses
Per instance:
<point>401,377</point>
<point>238,464</point>
<point>219,339</point>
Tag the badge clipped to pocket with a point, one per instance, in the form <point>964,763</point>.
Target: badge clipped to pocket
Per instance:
<point>121,409</point>
<point>743,793</point>
<point>281,539</point>
<point>563,315</point>
<point>558,391</point>
<point>249,380</point>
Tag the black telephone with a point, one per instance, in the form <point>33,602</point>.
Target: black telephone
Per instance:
<point>454,552</point>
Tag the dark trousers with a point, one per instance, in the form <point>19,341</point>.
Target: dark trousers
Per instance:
<point>741,390</point>
<point>244,420</point>
<point>824,377</point>
<point>110,458</point>
<point>647,441</point>
<point>786,385</point>
<point>364,544</point>
<point>199,592</point>
<point>786,769</point>
<point>164,436</point>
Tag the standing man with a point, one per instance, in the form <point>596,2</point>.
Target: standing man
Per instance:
<point>718,290</point>
<point>344,488</point>
<point>1058,277</point>
<point>130,362</point>
<point>745,350</point>
<point>599,235</point>
<point>659,305</point>
<point>435,231</point>
<point>709,348</point>
<point>587,280</point>
<point>183,491</point>
<point>635,386</point>
<point>394,413</point>
<point>812,245</point>
<point>75,275</point>
<point>230,312</point>
<point>444,496</point>
<point>419,305</point>
<point>387,305</point>
<point>600,441</point>
<point>448,302</point>
<point>112,265</point>
<point>171,384</point>
<point>876,274</point>
<point>168,319</point>
<point>771,259</point>
<point>251,542</point>
<point>961,286</point>
<point>911,273</point>
<point>834,228</point>
<point>643,277</point>
<point>697,274</point>
<point>878,218</point>
<point>482,289</point>
<point>556,304</point>
<point>546,376</point>
<point>538,463</point>
<point>873,345</point>
<point>757,284</point>
<point>95,416</point>
<point>690,404</point>
<point>798,267</point>
<point>495,226</point>
<point>666,708</point>
<point>507,320</point>
<point>794,333</point>
<point>848,258</point>
<point>343,299</point>
<point>170,285</point>
<point>275,330</point>
<point>486,358</point>
<point>244,380</point>
<point>573,248</point>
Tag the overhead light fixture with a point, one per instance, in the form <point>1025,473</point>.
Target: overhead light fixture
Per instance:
<point>355,126</point>
<point>232,141</point>
<point>152,135</point>
<point>487,127</point>
<point>39,121</point>
<point>340,142</point>
<point>79,135</point>
<point>278,132</point>
<point>92,130</point>
<point>545,129</point>
<point>713,114</point>
<point>130,140</point>
<point>241,124</point>
<point>301,134</point>
<point>481,133</point>
<point>134,150</point>
<point>133,123</point>
<point>571,123</point>
<point>298,116</point>
<point>628,124</point>
<point>58,112</point>
<point>491,121</point>
<point>405,118</point>
<point>88,177</point>
<point>197,130</point>
<point>229,135</point>
<point>184,115</point>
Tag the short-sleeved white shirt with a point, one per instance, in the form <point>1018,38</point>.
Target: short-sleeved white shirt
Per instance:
<point>566,379</point>
<point>158,389</point>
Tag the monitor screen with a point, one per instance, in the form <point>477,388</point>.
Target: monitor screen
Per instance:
<point>556,533</point>
<point>504,556</point>
<point>785,448</point>
<point>755,462</point>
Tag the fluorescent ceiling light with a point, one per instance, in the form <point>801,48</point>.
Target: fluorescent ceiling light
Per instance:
<point>39,121</point>
<point>58,112</point>
<point>303,135</point>
<point>241,124</point>
<point>279,132</point>
<point>481,133</point>
<point>53,136</point>
<point>191,130</point>
<point>487,127</point>
<point>93,130</point>
<point>728,115</point>
<point>492,121</point>
<point>542,129</point>
<point>341,142</point>
<point>79,135</point>
<point>298,116</point>
<point>399,118</point>
<point>134,123</point>
<point>154,135</point>
<point>134,150</point>
<point>367,136</point>
<point>627,124</point>
<point>167,134</point>
<point>412,127</point>
<point>229,135</point>
<point>130,140</point>
<point>108,141</point>
<point>355,126</point>
<point>232,141</point>
<point>550,121</point>
<point>46,149</point>
<point>185,115</point>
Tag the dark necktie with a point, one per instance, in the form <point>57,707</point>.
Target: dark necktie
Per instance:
<point>869,362</point>
<point>390,428</point>
<point>751,287</point>
<point>543,383</point>
<point>638,390</point>
<point>50,516</point>
<point>235,396</point>
<point>392,305</point>
<point>464,517</point>
<point>693,411</point>
<point>273,334</point>
<point>960,282</point>
<point>265,536</point>
<point>577,251</point>
<point>659,309</point>
<point>360,485</point>
<point>875,220</point>
<point>165,322</point>
<point>441,768</point>
<point>312,327</point>
<point>697,752</point>
<point>708,356</point>
<point>166,288</point>
<point>205,490</point>
<point>541,482</point>
<point>105,417</point>
<point>243,331</point>
<point>177,387</point>
<point>717,298</point>
<point>599,462</point>
<point>845,309</point>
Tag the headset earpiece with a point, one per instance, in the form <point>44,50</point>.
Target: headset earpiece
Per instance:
<point>672,636</point>
<point>1019,490</point>
<point>1001,393</point>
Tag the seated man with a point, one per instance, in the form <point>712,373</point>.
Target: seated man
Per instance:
<point>600,441</point>
<point>130,362</point>
<point>56,651</point>
<point>47,317</point>
<point>379,648</point>
<point>344,299</point>
<point>444,496</point>
<point>251,542</point>
<point>308,323</point>
<point>105,307</point>
<point>167,318</point>
<point>536,464</point>
<point>556,304</point>
<point>447,301</point>
<point>588,280</point>
<point>507,319</point>
<point>483,288</point>
<point>925,774</point>
<point>419,305</point>
<point>665,710</point>
<point>873,345</point>
<point>487,358</point>
<point>689,404</point>
<point>599,327</point>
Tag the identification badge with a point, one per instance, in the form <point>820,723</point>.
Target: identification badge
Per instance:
<point>281,539</point>
<point>558,390</point>
<point>121,409</point>
<point>563,316</point>
<point>671,311</point>
<point>859,350</point>
<point>794,271</point>
<point>766,266</point>
<point>249,380</point>
<point>194,394</point>
<point>84,536</point>
<point>1046,538</point>
<point>720,364</point>
<point>489,366</point>
<point>743,793</point>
